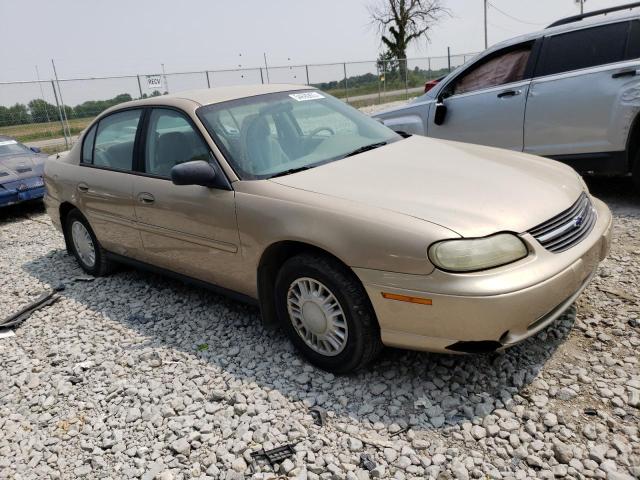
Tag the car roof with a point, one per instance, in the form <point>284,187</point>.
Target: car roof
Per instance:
<point>568,27</point>
<point>208,96</point>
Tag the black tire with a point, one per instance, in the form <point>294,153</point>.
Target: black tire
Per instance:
<point>635,174</point>
<point>102,265</point>
<point>363,339</point>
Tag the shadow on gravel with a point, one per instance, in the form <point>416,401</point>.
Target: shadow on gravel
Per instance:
<point>428,391</point>
<point>619,193</point>
<point>17,213</point>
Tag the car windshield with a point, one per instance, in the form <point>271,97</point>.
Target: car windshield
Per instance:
<point>11,147</point>
<point>280,133</point>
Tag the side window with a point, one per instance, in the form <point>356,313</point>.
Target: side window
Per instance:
<point>87,146</point>
<point>171,140</point>
<point>633,44</point>
<point>506,67</point>
<point>585,48</point>
<point>115,138</point>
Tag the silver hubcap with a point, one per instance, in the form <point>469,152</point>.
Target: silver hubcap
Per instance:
<point>83,243</point>
<point>317,316</point>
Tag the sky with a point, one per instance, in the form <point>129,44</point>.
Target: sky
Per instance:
<point>110,37</point>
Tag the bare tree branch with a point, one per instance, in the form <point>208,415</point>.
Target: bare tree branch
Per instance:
<point>411,18</point>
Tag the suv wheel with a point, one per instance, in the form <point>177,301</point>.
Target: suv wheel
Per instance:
<point>85,246</point>
<point>326,313</point>
<point>635,175</point>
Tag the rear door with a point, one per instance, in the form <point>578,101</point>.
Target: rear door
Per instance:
<point>188,229</point>
<point>105,181</point>
<point>585,91</point>
<point>486,102</point>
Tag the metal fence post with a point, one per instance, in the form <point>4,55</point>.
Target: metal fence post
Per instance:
<point>346,85</point>
<point>64,131</point>
<point>306,67</point>
<point>139,85</point>
<point>384,77</point>
<point>449,58</point>
<point>429,66</point>
<point>406,78</point>
<point>261,76</point>
<point>379,80</point>
<point>208,81</point>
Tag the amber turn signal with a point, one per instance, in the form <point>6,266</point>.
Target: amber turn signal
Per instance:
<point>406,298</point>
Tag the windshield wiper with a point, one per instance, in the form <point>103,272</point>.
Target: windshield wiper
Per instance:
<point>365,148</point>
<point>290,171</point>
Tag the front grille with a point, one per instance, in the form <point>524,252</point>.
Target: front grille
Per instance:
<point>568,228</point>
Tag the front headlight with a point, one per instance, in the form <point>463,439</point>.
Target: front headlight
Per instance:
<point>471,254</point>
<point>585,187</point>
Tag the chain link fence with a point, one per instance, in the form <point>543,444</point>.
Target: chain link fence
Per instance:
<point>50,113</point>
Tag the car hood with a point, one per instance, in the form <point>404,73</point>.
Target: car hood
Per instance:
<point>471,189</point>
<point>16,167</point>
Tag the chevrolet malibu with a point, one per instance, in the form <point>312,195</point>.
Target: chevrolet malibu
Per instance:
<point>346,234</point>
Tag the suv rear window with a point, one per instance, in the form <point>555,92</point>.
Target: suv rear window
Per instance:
<point>585,48</point>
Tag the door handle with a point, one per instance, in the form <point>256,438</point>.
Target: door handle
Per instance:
<point>625,73</point>
<point>146,198</point>
<point>83,187</point>
<point>509,93</point>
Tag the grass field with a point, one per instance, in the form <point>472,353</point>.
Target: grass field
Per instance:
<point>42,131</point>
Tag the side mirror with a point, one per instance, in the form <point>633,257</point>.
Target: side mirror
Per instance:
<point>441,111</point>
<point>197,172</point>
<point>35,149</point>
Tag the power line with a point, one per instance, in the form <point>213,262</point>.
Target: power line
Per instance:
<point>514,18</point>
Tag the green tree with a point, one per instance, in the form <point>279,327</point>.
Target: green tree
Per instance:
<point>401,22</point>
<point>18,114</point>
<point>42,111</point>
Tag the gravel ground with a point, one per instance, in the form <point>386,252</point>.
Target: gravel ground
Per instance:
<point>137,376</point>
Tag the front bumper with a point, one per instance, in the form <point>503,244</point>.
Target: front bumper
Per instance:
<point>21,191</point>
<point>487,310</point>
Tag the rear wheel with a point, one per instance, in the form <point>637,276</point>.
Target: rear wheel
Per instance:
<point>85,246</point>
<point>326,313</point>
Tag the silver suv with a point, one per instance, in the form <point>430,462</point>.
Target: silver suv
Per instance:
<point>570,92</point>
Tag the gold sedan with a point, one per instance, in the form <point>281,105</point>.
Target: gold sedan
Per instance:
<point>345,233</point>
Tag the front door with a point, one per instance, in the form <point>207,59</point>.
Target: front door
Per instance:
<point>486,102</point>
<point>190,229</point>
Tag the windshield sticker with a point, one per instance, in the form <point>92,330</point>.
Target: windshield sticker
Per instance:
<point>303,97</point>
<point>8,142</point>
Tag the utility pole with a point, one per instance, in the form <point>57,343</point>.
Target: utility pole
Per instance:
<point>486,41</point>
<point>581,2</point>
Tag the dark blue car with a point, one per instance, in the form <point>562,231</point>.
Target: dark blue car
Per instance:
<point>21,170</point>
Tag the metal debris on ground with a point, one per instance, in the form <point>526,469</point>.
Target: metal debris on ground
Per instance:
<point>399,432</point>
<point>84,278</point>
<point>592,412</point>
<point>319,416</point>
<point>44,300</point>
<point>367,462</point>
<point>273,457</point>
<point>6,334</point>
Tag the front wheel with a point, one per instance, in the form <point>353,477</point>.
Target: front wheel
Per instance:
<point>326,313</point>
<point>636,171</point>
